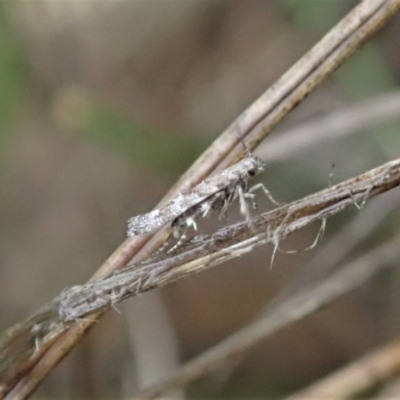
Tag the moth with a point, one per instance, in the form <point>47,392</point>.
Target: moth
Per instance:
<point>214,193</point>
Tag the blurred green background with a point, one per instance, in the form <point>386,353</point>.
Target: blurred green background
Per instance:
<point>103,104</point>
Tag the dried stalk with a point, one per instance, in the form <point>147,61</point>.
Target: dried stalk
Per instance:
<point>205,251</point>
<point>254,124</point>
<point>341,245</point>
<point>360,376</point>
<point>336,125</point>
<point>80,302</point>
<point>295,308</point>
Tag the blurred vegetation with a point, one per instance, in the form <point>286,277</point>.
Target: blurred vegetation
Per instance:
<point>12,77</point>
<point>99,122</point>
<point>200,72</point>
<point>314,16</point>
<point>365,74</point>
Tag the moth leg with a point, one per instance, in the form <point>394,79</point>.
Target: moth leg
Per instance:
<point>218,201</point>
<point>181,239</point>
<point>191,222</point>
<point>266,191</point>
<point>224,209</point>
<point>252,196</point>
<point>318,237</point>
<point>221,202</point>
<point>181,231</point>
<point>244,209</point>
<point>162,248</point>
<point>205,208</point>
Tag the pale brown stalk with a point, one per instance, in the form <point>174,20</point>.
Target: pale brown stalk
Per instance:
<point>292,309</point>
<point>80,303</point>
<point>254,124</point>
<point>364,374</point>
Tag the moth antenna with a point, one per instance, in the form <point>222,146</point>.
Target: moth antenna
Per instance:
<point>331,174</point>
<point>247,151</point>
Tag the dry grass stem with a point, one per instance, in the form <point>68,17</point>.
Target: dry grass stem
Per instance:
<point>79,303</point>
<point>205,251</point>
<point>362,375</point>
<point>293,309</point>
<point>24,375</point>
<point>336,125</point>
<point>342,244</point>
<point>329,256</point>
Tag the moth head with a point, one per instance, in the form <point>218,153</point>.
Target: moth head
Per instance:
<point>257,165</point>
<point>254,164</point>
<point>252,172</point>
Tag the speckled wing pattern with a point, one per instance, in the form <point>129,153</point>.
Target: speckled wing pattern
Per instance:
<point>147,224</point>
